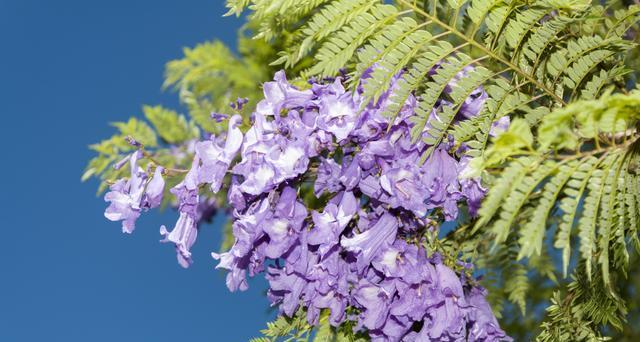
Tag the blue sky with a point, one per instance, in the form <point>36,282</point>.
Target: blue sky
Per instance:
<point>67,68</point>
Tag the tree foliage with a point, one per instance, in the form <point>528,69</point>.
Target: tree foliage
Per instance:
<point>530,56</point>
<point>564,175</point>
<point>564,182</point>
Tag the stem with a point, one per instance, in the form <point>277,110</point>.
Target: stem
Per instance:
<point>598,150</point>
<point>168,170</point>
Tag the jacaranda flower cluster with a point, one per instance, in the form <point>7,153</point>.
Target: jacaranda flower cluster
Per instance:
<point>330,201</point>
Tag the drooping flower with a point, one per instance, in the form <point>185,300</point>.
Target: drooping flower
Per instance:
<point>248,234</point>
<point>152,197</point>
<point>329,286</point>
<point>338,114</point>
<point>289,286</point>
<point>400,261</point>
<point>351,173</point>
<point>122,207</point>
<point>279,95</point>
<point>327,177</point>
<point>183,236</point>
<point>375,301</point>
<point>329,224</point>
<point>358,243</point>
<point>284,226</point>
<point>216,159</point>
<point>441,178</point>
<point>405,189</point>
<point>484,325</point>
<point>128,197</point>
<point>184,233</point>
<point>499,126</point>
<point>471,187</point>
<point>473,104</point>
<point>446,318</point>
<point>372,241</point>
<point>288,159</point>
<point>235,196</point>
<point>269,159</point>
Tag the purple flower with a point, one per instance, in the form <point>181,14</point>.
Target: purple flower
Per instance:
<point>446,318</point>
<point>133,142</point>
<point>370,186</point>
<point>370,126</point>
<point>249,237</point>
<point>415,300</point>
<point>216,159</point>
<point>269,159</point>
<point>123,206</point>
<point>237,276</point>
<point>401,261</point>
<point>235,196</point>
<point>418,287</point>
<point>288,159</point>
<point>129,197</point>
<point>328,225</point>
<point>375,151</point>
<point>219,117</point>
<point>319,141</point>
<point>239,103</point>
<point>248,228</point>
<point>335,302</point>
<point>474,193</point>
<point>471,188</point>
<point>500,126</point>
<point>122,162</point>
<point>329,285</point>
<point>484,326</point>
<point>375,302</point>
<point>441,178</point>
<point>356,248</point>
<point>184,234</point>
<point>338,115</point>
<point>281,95</point>
<point>328,177</point>
<point>405,189</point>
<point>288,286</point>
<point>258,178</point>
<point>285,225</point>
<point>394,329</point>
<point>257,174</point>
<point>473,104</point>
<point>373,241</point>
<point>155,189</point>
<point>351,173</point>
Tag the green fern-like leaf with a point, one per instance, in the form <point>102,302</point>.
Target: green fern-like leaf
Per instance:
<point>170,126</point>
<point>517,285</point>
<point>534,59</point>
<point>532,234</point>
<point>589,188</point>
<point>518,196</point>
<point>340,48</point>
<point>328,20</point>
<point>525,54</point>
<point>573,192</point>
<point>511,175</point>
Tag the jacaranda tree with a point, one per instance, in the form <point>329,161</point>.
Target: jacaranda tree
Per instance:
<point>406,170</point>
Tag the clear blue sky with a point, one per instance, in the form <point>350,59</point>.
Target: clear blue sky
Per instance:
<point>67,68</point>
